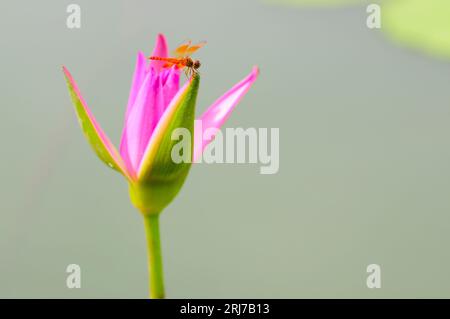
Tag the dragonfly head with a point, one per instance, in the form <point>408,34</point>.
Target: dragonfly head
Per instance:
<point>196,64</point>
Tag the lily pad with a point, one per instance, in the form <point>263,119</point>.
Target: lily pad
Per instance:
<point>420,24</point>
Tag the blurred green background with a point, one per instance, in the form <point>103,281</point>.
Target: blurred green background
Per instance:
<point>364,156</point>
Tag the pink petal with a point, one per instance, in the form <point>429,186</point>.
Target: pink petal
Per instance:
<point>142,119</point>
<point>220,110</point>
<point>138,78</point>
<point>161,50</point>
<point>171,86</point>
<point>103,137</point>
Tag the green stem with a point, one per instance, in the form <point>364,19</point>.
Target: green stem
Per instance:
<point>155,267</point>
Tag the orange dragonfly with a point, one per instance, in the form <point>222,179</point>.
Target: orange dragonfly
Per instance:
<point>182,58</point>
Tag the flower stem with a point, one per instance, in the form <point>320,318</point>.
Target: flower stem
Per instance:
<point>155,267</point>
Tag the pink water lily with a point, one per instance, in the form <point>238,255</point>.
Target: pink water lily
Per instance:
<point>156,107</point>
<point>153,91</point>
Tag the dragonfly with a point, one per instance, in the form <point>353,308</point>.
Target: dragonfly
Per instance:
<point>182,58</point>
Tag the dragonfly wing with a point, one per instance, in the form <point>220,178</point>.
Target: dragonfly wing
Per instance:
<point>180,52</point>
<point>190,50</point>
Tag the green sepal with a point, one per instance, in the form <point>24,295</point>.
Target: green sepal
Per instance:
<point>160,178</point>
<point>104,149</point>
